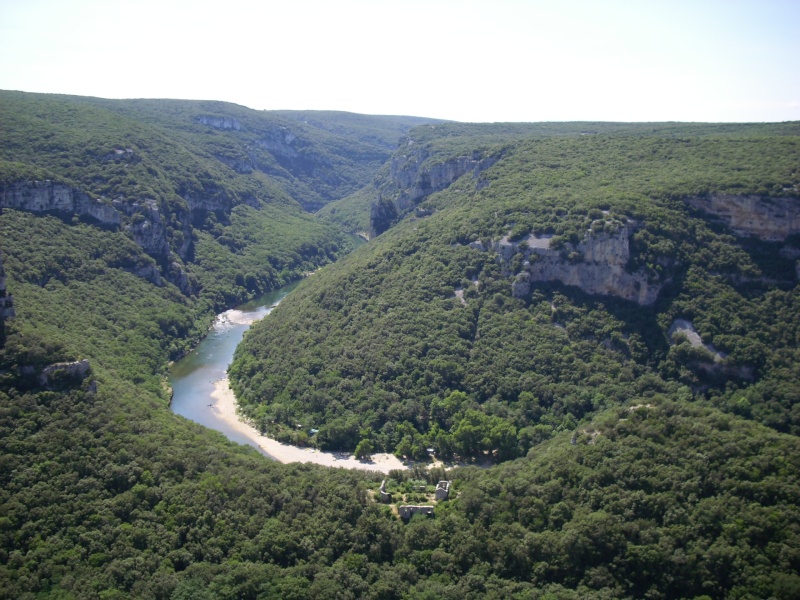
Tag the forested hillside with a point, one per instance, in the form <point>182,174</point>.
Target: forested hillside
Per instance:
<point>568,275</point>
<point>216,194</point>
<point>643,408</point>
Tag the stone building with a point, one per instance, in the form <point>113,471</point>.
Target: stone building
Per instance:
<point>386,497</point>
<point>408,511</point>
<point>442,491</point>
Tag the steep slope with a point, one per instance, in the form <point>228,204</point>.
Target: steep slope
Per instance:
<point>211,191</point>
<point>317,156</point>
<point>106,494</point>
<point>430,158</point>
<point>118,237</point>
<point>515,302</point>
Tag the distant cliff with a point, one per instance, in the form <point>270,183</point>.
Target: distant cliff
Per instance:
<point>414,174</point>
<point>50,196</point>
<point>417,176</point>
<point>218,122</point>
<point>597,265</point>
<point>142,220</point>
<point>764,217</point>
<point>600,263</point>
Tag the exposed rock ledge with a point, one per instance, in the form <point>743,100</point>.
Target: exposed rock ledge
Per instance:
<point>219,122</point>
<point>598,265</point>
<point>715,360</point>
<point>76,371</point>
<point>769,219</point>
<point>143,221</point>
<point>415,179</point>
<point>59,373</point>
<point>49,196</point>
<point>686,329</point>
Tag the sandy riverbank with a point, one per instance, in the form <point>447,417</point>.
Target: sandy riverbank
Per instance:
<point>225,405</point>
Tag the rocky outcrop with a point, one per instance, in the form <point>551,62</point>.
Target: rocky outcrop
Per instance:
<point>597,265</point>
<point>141,219</point>
<point>219,122</point>
<point>6,300</point>
<point>769,219</point>
<point>243,166</point>
<point>417,177</point>
<point>382,215</point>
<point>214,199</point>
<point>297,158</point>
<point>684,328</point>
<point>64,372</point>
<point>705,358</point>
<point>178,276</point>
<point>413,176</point>
<point>146,226</point>
<point>280,143</point>
<point>50,196</point>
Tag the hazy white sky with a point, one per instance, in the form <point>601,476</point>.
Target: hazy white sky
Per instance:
<point>494,60</point>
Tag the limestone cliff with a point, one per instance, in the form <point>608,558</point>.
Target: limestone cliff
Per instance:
<point>219,122</point>
<point>141,219</point>
<point>413,176</point>
<point>146,226</point>
<point>213,199</point>
<point>297,156</point>
<point>769,219</point>
<point>50,196</point>
<point>64,372</point>
<point>6,300</point>
<point>242,166</point>
<point>597,265</point>
<point>416,176</point>
<point>280,141</point>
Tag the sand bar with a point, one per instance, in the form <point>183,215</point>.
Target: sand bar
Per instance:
<point>225,405</point>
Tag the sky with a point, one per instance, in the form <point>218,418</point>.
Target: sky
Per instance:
<point>487,61</point>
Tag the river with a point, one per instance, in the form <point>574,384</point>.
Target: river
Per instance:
<point>192,377</point>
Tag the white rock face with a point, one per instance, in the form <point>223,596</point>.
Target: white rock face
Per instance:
<point>219,122</point>
<point>280,142</point>
<point>146,226</point>
<point>599,266</point>
<point>416,180</point>
<point>48,196</point>
<point>78,370</point>
<point>686,328</point>
<point>769,219</point>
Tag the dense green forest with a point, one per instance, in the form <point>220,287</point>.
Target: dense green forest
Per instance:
<point>218,195</point>
<point>633,462</point>
<point>418,342</point>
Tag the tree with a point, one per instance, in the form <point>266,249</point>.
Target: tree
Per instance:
<point>364,449</point>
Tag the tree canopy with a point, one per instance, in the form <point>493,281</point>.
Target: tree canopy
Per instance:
<point>634,462</point>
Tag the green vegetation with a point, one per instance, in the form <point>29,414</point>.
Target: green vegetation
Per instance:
<point>628,469</point>
<point>382,348</point>
<point>352,213</point>
<point>230,184</point>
